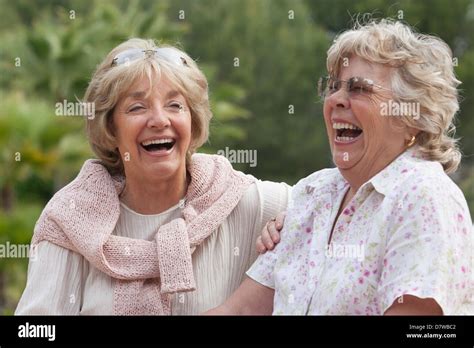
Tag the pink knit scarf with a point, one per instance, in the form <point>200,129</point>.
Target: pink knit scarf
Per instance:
<point>82,216</point>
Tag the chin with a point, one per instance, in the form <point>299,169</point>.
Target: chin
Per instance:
<point>344,165</point>
<point>340,163</point>
<point>164,169</point>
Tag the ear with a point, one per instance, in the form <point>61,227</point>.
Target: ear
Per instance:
<point>411,132</point>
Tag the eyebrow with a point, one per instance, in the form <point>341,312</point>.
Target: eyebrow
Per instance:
<point>141,94</point>
<point>172,94</point>
<point>136,95</point>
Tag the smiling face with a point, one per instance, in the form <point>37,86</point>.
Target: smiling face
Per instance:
<point>153,131</point>
<point>362,141</point>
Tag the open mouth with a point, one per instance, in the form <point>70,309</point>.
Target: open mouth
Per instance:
<point>158,145</point>
<point>346,132</point>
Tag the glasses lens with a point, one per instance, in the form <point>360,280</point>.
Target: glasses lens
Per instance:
<point>333,85</point>
<point>127,56</point>
<point>167,53</point>
<point>327,85</point>
<point>172,55</point>
<point>360,85</point>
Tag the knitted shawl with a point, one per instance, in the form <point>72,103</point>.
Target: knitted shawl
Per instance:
<point>82,216</point>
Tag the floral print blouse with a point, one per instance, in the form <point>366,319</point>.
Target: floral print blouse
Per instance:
<point>406,231</point>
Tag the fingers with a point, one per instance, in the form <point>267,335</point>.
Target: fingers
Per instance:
<point>280,220</point>
<point>273,231</point>
<point>261,249</point>
<point>266,235</point>
<point>270,234</point>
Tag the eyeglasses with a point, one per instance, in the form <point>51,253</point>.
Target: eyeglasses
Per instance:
<point>167,53</point>
<point>355,85</point>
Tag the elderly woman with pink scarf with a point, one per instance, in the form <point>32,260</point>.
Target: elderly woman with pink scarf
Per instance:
<point>150,227</point>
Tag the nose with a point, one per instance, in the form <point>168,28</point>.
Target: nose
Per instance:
<point>158,118</point>
<point>339,99</point>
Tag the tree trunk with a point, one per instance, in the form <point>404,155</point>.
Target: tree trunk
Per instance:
<point>6,198</point>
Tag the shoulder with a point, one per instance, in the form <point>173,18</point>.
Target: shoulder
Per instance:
<point>91,179</point>
<point>421,197</point>
<point>425,181</point>
<point>318,182</point>
<point>93,186</point>
<point>93,194</point>
<point>263,200</point>
<point>270,190</point>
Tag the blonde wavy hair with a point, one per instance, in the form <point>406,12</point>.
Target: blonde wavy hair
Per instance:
<point>109,83</point>
<point>424,75</point>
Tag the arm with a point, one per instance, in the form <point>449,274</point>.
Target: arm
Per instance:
<point>274,198</point>
<point>425,270</point>
<point>54,284</point>
<point>404,305</point>
<point>412,305</point>
<point>250,298</point>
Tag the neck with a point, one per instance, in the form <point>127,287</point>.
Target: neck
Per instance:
<point>362,172</point>
<point>154,196</point>
<point>354,179</point>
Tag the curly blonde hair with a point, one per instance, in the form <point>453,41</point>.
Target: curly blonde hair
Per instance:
<point>109,83</point>
<point>424,75</point>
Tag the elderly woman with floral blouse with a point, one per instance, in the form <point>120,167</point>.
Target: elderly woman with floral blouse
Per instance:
<point>387,231</point>
<point>150,227</point>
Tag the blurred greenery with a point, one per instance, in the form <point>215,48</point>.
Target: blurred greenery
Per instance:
<point>262,59</point>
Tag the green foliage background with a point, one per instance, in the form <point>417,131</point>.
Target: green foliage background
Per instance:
<point>279,59</point>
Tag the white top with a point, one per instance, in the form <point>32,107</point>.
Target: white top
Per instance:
<point>63,282</point>
<point>406,231</point>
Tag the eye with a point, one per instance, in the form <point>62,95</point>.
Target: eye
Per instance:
<point>176,106</point>
<point>333,85</point>
<point>358,85</point>
<point>135,108</point>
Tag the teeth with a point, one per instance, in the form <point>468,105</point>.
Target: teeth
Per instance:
<point>157,141</point>
<point>344,138</point>
<point>340,125</point>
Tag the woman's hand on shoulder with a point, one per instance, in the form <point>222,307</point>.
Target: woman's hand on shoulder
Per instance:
<point>270,235</point>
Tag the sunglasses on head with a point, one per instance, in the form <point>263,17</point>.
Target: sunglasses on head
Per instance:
<point>328,85</point>
<point>167,53</point>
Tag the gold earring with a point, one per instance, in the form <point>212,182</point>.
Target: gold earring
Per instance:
<point>412,141</point>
